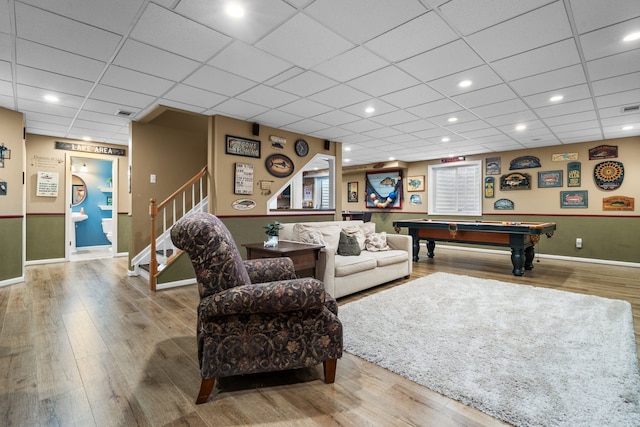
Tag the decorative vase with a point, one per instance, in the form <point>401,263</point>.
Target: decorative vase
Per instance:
<point>272,242</point>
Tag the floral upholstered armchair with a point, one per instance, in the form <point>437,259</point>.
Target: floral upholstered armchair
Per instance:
<point>254,316</point>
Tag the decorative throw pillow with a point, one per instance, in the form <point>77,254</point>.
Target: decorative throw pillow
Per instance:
<point>330,233</point>
<point>377,242</point>
<point>348,245</point>
<point>356,231</point>
<point>368,228</point>
<point>313,237</point>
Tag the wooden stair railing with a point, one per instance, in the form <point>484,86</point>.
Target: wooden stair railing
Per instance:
<point>155,209</point>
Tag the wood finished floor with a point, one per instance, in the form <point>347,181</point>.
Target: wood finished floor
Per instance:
<point>82,344</point>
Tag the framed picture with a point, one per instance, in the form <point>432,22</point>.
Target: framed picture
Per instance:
<point>415,183</point>
<point>384,189</point>
<point>550,179</point>
<point>352,191</point>
<point>242,147</point>
<point>279,165</point>
<point>243,182</point>
<point>574,199</point>
<point>493,166</point>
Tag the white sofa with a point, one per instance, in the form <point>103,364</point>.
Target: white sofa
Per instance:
<point>344,275</point>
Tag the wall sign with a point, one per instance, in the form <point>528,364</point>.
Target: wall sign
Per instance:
<point>515,181</point>
<point>489,187</point>
<point>279,165</point>
<point>524,162</point>
<point>47,184</point>
<point>242,147</point>
<point>618,203</point>
<point>384,189</point>
<point>493,166</point>
<point>550,179</point>
<point>503,205</point>
<point>608,175</point>
<point>95,149</point>
<point>243,179</point>
<point>574,199</point>
<point>573,174</point>
<point>603,152</point>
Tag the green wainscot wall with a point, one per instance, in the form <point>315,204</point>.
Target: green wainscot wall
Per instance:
<point>11,248</point>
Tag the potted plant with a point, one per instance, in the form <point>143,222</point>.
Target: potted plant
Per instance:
<point>272,232</point>
<point>109,181</point>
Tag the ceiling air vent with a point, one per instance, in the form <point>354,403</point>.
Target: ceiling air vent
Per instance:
<point>123,113</point>
<point>630,108</point>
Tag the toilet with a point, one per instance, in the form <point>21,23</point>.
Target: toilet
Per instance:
<point>107,228</point>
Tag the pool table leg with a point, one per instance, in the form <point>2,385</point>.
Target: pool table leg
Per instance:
<point>529,254</point>
<point>431,246</point>
<point>517,259</point>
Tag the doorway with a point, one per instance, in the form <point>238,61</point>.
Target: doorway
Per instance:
<point>91,216</point>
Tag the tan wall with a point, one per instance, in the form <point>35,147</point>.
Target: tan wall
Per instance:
<point>539,201</point>
<point>172,146</point>
<point>224,164</point>
<point>11,133</point>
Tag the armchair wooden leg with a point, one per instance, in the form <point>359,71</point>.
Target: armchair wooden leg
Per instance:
<point>205,390</point>
<point>330,370</point>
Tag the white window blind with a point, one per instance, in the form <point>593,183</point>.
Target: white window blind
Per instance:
<point>455,188</point>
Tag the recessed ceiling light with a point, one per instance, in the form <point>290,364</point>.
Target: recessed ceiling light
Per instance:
<point>521,127</point>
<point>86,138</point>
<point>347,160</point>
<point>235,10</point>
<point>556,98</point>
<point>632,36</point>
<point>392,158</point>
<point>51,98</point>
<point>452,119</point>
<point>347,148</point>
<point>627,127</point>
<point>465,83</point>
<point>445,139</point>
<point>369,110</point>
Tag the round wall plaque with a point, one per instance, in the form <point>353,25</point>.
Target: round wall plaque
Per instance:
<point>609,174</point>
<point>279,165</point>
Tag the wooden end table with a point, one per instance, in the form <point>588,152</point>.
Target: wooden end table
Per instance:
<point>303,255</point>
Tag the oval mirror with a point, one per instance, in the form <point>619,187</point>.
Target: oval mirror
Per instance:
<point>78,190</point>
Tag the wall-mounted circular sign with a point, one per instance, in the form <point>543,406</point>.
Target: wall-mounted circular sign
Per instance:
<point>279,165</point>
<point>302,147</point>
<point>609,174</point>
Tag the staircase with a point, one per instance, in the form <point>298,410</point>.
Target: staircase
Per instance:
<point>188,199</point>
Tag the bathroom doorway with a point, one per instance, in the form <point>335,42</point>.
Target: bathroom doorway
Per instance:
<point>91,213</point>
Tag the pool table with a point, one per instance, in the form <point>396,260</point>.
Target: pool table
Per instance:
<point>521,237</point>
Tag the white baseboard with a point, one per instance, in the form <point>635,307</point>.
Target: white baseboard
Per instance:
<point>45,261</point>
<point>175,284</point>
<point>11,281</point>
<point>542,255</point>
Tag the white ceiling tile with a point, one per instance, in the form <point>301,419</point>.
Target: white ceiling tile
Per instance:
<point>360,108</point>
<point>551,80</point>
<point>621,99</point>
<point>181,105</point>
<point>593,14</point>
<point>569,94</point>
<point>481,77</point>
<point>267,96</point>
<point>536,61</point>
<point>112,15</point>
<point>414,126</point>
<point>435,108</point>
<point>124,78</point>
<point>608,41</point>
<point>165,29</point>
<point>112,119</point>
<point>383,81</point>
<point>615,65</point>
<point>91,125</point>
<point>194,96</point>
<point>480,133</point>
<point>610,112</point>
<point>238,108</point>
<point>442,61</point>
<point>565,108</point>
<point>462,116</point>
<point>361,20</point>
<point>6,46</point>
<point>339,96</point>
<point>469,16</point>
<point>569,127</point>
<point>250,62</point>
<point>580,133</point>
<point>501,108</point>
<point>336,118</point>
<point>616,84</point>
<point>283,77</point>
<point>276,119</point>
<point>395,118</point>
<point>28,105</point>
<point>350,64</point>
<point>151,60</point>
<point>55,82</point>
<point>470,126</point>
<point>5,22</point>
<point>62,33</point>
<point>305,108</point>
<point>421,34</point>
<point>57,61</point>
<point>306,84</point>
<point>488,95</point>
<point>38,94</point>
<point>307,126</point>
<point>6,89</point>
<point>512,118</point>
<point>219,81</point>
<point>570,118</point>
<point>412,96</point>
<point>304,42</point>
<point>382,133</point>
<point>261,17</point>
<point>120,96</point>
<point>105,107</point>
<point>499,42</point>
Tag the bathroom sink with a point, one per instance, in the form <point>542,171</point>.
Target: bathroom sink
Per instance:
<point>77,216</point>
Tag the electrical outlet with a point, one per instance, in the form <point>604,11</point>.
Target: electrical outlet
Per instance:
<point>578,242</point>
<point>153,178</point>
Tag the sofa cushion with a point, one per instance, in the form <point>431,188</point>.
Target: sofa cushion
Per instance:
<point>368,228</point>
<point>390,257</point>
<point>313,237</point>
<point>377,242</point>
<point>330,233</point>
<point>347,265</point>
<point>348,245</point>
<point>357,232</point>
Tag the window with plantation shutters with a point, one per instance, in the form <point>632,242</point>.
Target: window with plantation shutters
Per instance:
<point>455,188</point>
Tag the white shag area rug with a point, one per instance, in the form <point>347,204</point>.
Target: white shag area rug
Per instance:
<point>526,355</point>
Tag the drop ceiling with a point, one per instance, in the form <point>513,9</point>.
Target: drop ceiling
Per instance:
<point>317,67</point>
